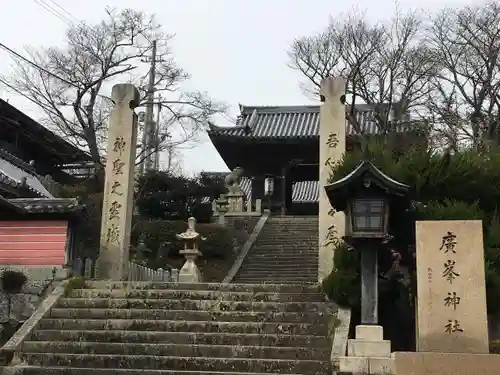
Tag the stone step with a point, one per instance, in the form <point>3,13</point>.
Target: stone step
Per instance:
<point>279,273</point>
<point>216,351</point>
<point>287,274</point>
<point>273,253</point>
<point>294,230</point>
<point>221,316</point>
<point>186,338</point>
<point>287,220</point>
<point>258,264</point>
<point>276,263</point>
<point>181,363</point>
<point>269,280</point>
<point>35,370</point>
<point>122,303</point>
<point>273,262</point>
<point>183,326</point>
<point>250,263</point>
<point>278,288</point>
<point>292,233</point>
<point>291,223</point>
<point>197,295</point>
<point>289,254</point>
<point>282,258</point>
<point>289,245</point>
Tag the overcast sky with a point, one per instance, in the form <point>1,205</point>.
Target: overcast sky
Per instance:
<point>235,50</point>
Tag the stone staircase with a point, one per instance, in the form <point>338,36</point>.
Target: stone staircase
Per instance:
<point>189,329</point>
<point>286,251</point>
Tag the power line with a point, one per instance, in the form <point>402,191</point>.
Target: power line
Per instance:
<point>36,65</point>
<point>53,11</point>
<point>4,82</point>
<point>63,9</point>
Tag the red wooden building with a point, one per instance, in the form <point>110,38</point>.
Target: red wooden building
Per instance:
<point>37,228</point>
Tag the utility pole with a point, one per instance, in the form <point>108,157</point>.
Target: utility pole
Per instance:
<point>157,137</point>
<point>148,136</point>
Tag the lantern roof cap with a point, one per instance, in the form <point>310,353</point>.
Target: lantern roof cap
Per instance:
<point>365,176</point>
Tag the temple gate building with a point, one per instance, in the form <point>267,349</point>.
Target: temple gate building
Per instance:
<point>282,143</point>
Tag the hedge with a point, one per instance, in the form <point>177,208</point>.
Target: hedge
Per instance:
<point>218,242</point>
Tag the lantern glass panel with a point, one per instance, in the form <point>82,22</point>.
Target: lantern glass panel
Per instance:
<point>368,215</point>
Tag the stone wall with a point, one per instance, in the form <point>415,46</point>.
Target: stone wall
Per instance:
<point>15,309</point>
<point>38,273</point>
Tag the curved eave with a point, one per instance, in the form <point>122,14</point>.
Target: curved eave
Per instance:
<point>339,191</point>
<point>216,137</point>
<point>64,207</point>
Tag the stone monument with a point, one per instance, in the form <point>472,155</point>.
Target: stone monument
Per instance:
<point>332,134</point>
<point>190,273</point>
<point>451,305</point>
<point>119,184</point>
<point>452,331</point>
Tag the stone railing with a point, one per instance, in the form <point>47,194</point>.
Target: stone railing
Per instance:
<point>136,272</point>
<point>232,205</point>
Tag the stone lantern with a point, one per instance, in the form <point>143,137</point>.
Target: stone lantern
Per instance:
<point>368,197</point>
<point>190,273</point>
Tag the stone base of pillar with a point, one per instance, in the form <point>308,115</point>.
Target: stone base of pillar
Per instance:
<point>368,353</point>
<point>190,273</point>
<point>110,270</point>
<point>422,363</point>
<point>235,202</point>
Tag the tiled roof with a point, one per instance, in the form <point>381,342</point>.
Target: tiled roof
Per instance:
<point>293,122</point>
<point>302,191</point>
<point>47,205</point>
<point>40,135</point>
<point>12,173</point>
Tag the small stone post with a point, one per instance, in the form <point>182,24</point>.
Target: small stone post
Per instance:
<point>190,273</point>
<point>119,184</point>
<point>222,208</point>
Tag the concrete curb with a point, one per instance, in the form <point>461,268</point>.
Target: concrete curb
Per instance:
<point>339,344</point>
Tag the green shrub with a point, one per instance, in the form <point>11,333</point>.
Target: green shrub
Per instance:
<point>218,243</point>
<point>157,233</point>
<point>343,285</point>
<point>495,347</point>
<point>464,186</point>
<point>13,281</point>
<point>449,209</point>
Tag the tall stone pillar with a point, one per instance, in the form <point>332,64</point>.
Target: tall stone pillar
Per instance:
<point>119,184</point>
<point>332,146</point>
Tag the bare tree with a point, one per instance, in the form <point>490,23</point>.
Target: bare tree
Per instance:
<point>385,65</point>
<point>70,81</point>
<point>465,96</point>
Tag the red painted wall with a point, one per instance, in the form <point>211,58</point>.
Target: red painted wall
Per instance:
<point>33,243</point>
